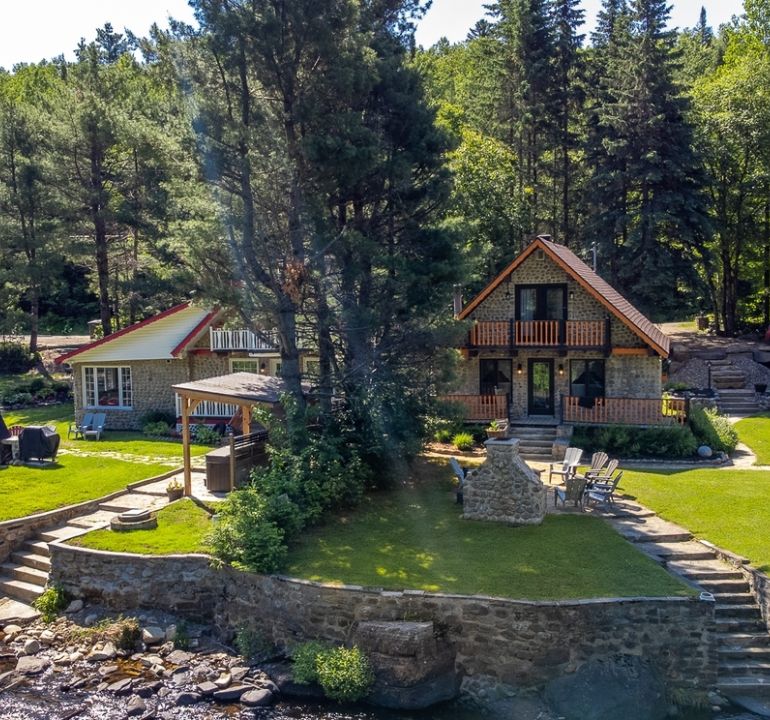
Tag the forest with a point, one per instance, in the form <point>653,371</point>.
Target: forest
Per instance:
<point>303,162</point>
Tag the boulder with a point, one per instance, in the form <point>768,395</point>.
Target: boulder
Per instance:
<point>622,687</point>
<point>121,687</point>
<point>257,698</point>
<point>28,665</point>
<point>105,652</point>
<point>186,698</point>
<point>153,635</point>
<point>705,451</point>
<point>31,647</point>
<point>135,706</point>
<point>207,688</point>
<point>231,694</point>
<point>74,606</point>
<point>10,631</point>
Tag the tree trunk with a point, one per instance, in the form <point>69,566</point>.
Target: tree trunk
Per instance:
<point>766,265</point>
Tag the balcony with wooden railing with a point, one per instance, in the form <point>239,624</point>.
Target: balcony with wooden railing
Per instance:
<point>482,408</point>
<point>223,340</point>
<point>540,333</point>
<point>623,411</point>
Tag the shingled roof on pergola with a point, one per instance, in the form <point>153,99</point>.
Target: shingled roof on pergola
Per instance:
<point>246,390</point>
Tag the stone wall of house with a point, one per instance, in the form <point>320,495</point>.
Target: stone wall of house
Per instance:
<point>500,304</point>
<point>518,643</point>
<point>634,376</point>
<point>504,488</point>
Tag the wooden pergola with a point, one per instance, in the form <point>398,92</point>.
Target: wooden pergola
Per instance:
<point>242,389</point>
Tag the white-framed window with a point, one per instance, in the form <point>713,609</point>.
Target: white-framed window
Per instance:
<point>107,387</point>
<point>261,366</point>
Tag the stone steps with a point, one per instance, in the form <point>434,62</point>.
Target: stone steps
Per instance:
<point>20,590</point>
<point>28,574</point>
<point>33,560</point>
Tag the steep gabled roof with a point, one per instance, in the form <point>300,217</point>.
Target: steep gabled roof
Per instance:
<point>593,284</point>
<point>164,336</point>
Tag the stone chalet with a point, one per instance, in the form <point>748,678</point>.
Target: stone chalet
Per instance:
<point>131,372</point>
<point>552,343</point>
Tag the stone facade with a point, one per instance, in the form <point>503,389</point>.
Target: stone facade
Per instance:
<point>518,643</point>
<point>504,488</point>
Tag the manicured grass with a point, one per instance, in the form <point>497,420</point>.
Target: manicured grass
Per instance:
<point>25,490</point>
<point>414,537</point>
<point>730,508</point>
<point>113,441</point>
<point>182,527</point>
<point>755,432</point>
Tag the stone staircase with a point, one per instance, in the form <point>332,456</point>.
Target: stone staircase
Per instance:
<point>535,441</point>
<point>725,376</point>
<point>738,402</point>
<point>743,641</point>
<point>24,576</point>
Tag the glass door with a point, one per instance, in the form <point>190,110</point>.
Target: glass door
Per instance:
<point>540,387</point>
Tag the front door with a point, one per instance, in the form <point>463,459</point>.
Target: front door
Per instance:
<point>540,387</point>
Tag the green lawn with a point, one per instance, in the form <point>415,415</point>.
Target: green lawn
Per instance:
<point>755,432</point>
<point>730,508</point>
<point>182,527</point>
<point>414,537</point>
<point>25,490</point>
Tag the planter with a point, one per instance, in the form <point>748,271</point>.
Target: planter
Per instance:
<point>174,494</point>
<point>497,434</point>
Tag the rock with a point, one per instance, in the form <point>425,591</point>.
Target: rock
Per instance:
<point>106,670</point>
<point>207,688</point>
<point>153,635</point>
<point>238,673</point>
<point>10,631</point>
<point>105,652</point>
<point>268,684</point>
<point>179,657</point>
<point>27,665</point>
<point>171,633</point>
<point>223,680</point>
<point>74,606</point>
<point>31,647</point>
<point>622,687</point>
<point>180,677</point>
<point>121,687</point>
<point>705,451</point>
<point>90,619</point>
<point>283,678</point>
<point>47,637</point>
<point>135,706</point>
<point>231,694</point>
<point>186,698</point>
<point>150,660</point>
<point>257,698</point>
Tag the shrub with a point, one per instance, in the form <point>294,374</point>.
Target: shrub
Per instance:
<point>712,429</point>
<point>675,442</point>
<point>204,435</point>
<point>671,441</point>
<point>463,441</point>
<point>51,602</point>
<point>250,643</point>
<point>157,416</point>
<point>157,429</point>
<point>14,359</point>
<point>344,673</point>
<point>125,633</point>
<point>443,435</point>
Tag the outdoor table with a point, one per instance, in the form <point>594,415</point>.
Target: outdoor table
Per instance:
<point>13,443</point>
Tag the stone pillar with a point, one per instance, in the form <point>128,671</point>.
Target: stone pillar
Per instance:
<point>504,489</point>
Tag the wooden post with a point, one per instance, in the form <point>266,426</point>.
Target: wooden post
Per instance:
<point>186,445</point>
<point>246,412</point>
<point>232,463</point>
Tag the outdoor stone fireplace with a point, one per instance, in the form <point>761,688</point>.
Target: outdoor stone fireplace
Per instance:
<point>504,489</point>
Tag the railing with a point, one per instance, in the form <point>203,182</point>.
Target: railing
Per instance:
<point>539,333</point>
<point>210,409</point>
<point>480,407</point>
<point>623,411</point>
<point>241,340</point>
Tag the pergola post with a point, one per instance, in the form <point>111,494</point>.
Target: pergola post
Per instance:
<point>188,405</point>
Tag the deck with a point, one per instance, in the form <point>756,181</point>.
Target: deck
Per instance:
<point>573,334</point>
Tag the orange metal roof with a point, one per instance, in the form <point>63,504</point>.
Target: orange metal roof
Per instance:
<point>595,285</point>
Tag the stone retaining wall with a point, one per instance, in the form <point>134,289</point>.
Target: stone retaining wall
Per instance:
<point>13,533</point>
<point>518,643</point>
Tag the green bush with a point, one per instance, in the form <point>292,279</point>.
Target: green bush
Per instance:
<point>157,429</point>
<point>344,673</point>
<point>443,435</point>
<point>712,429</point>
<point>14,359</point>
<point>157,416</point>
<point>51,602</point>
<point>463,441</point>
<point>671,441</point>
<point>204,435</point>
<point>250,643</point>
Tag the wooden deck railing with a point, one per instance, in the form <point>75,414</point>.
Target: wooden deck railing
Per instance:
<point>624,411</point>
<point>241,340</point>
<point>539,333</point>
<point>480,407</point>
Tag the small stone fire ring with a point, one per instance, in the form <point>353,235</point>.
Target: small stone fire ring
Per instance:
<point>137,519</point>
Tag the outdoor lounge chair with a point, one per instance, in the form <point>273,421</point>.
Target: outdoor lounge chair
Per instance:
<point>459,471</point>
<point>605,476</point>
<point>97,427</point>
<point>77,428</point>
<point>568,467</point>
<point>604,492</point>
<point>573,492</point>
<point>598,461</point>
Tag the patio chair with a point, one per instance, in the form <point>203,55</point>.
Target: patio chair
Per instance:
<point>604,476</point>
<point>459,471</point>
<point>97,427</point>
<point>598,461</point>
<point>16,430</point>
<point>604,492</point>
<point>77,428</point>
<point>567,467</point>
<point>573,492</point>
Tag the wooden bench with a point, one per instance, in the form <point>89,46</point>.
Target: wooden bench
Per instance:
<point>229,466</point>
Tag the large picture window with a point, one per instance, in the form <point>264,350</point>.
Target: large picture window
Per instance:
<point>587,378</point>
<point>107,387</point>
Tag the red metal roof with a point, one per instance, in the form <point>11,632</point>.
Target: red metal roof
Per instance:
<point>594,284</point>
